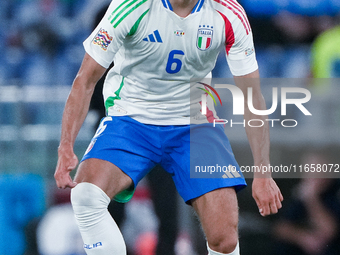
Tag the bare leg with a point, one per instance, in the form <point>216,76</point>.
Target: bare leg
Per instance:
<point>218,213</point>
<point>103,174</point>
<point>98,182</point>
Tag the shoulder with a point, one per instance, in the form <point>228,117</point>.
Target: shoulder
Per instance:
<point>232,12</point>
<point>127,12</point>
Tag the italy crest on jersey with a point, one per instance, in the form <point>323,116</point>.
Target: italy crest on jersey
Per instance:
<point>204,37</point>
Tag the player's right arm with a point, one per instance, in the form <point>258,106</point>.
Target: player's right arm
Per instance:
<point>101,47</point>
<point>75,111</point>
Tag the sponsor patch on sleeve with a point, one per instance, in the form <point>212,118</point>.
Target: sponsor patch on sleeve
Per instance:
<point>249,51</point>
<point>103,39</point>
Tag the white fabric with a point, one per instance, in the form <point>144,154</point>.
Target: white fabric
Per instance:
<point>235,252</point>
<point>99,231</point>
<point>157,54</point>
<point>58,233</point>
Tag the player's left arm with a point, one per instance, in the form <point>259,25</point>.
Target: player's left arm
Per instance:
<point>266,193</point>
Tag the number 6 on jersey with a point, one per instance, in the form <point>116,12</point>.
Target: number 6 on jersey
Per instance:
<point>174,64</point>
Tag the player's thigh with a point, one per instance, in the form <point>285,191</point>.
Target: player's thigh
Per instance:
<point>103,174</point>
<point>218,214</point>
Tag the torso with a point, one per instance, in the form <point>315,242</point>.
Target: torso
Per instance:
<point>162,54</point>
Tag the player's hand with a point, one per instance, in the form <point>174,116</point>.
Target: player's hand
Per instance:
<point>267,195</point>
<point>67,161</point>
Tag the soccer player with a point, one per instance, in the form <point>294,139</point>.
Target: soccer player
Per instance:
<point>159,48</point>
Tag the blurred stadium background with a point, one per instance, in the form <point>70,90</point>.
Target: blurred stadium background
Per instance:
<point>41,51</point>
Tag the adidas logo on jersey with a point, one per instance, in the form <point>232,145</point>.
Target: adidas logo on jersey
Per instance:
<point>153,37</point>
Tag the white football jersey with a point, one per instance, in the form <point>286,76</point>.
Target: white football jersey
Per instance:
<point>157,54</point>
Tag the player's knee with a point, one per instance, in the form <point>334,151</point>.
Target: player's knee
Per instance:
<point>88,201</point>
<point>224,243</point>
<point>90,196</point>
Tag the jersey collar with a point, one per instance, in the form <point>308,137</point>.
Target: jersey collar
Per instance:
<point>197,8</point>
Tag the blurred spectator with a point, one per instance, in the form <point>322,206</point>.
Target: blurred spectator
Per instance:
<point>326,54</point>
<point>325,66</point>
<point>140,235</point>
<point>302,7</point>
<point>40,44</point>
<point>57,232</point>
<point>309,222</point>
<point>284,30</point>
<point>22,200</point>
<point>291,21</point>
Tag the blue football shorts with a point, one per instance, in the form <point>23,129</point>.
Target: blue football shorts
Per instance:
<point>188,152</point>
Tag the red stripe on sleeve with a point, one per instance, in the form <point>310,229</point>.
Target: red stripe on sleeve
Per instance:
<point>244,22</point>
<point>229,33</point>
<point>241,10</point>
